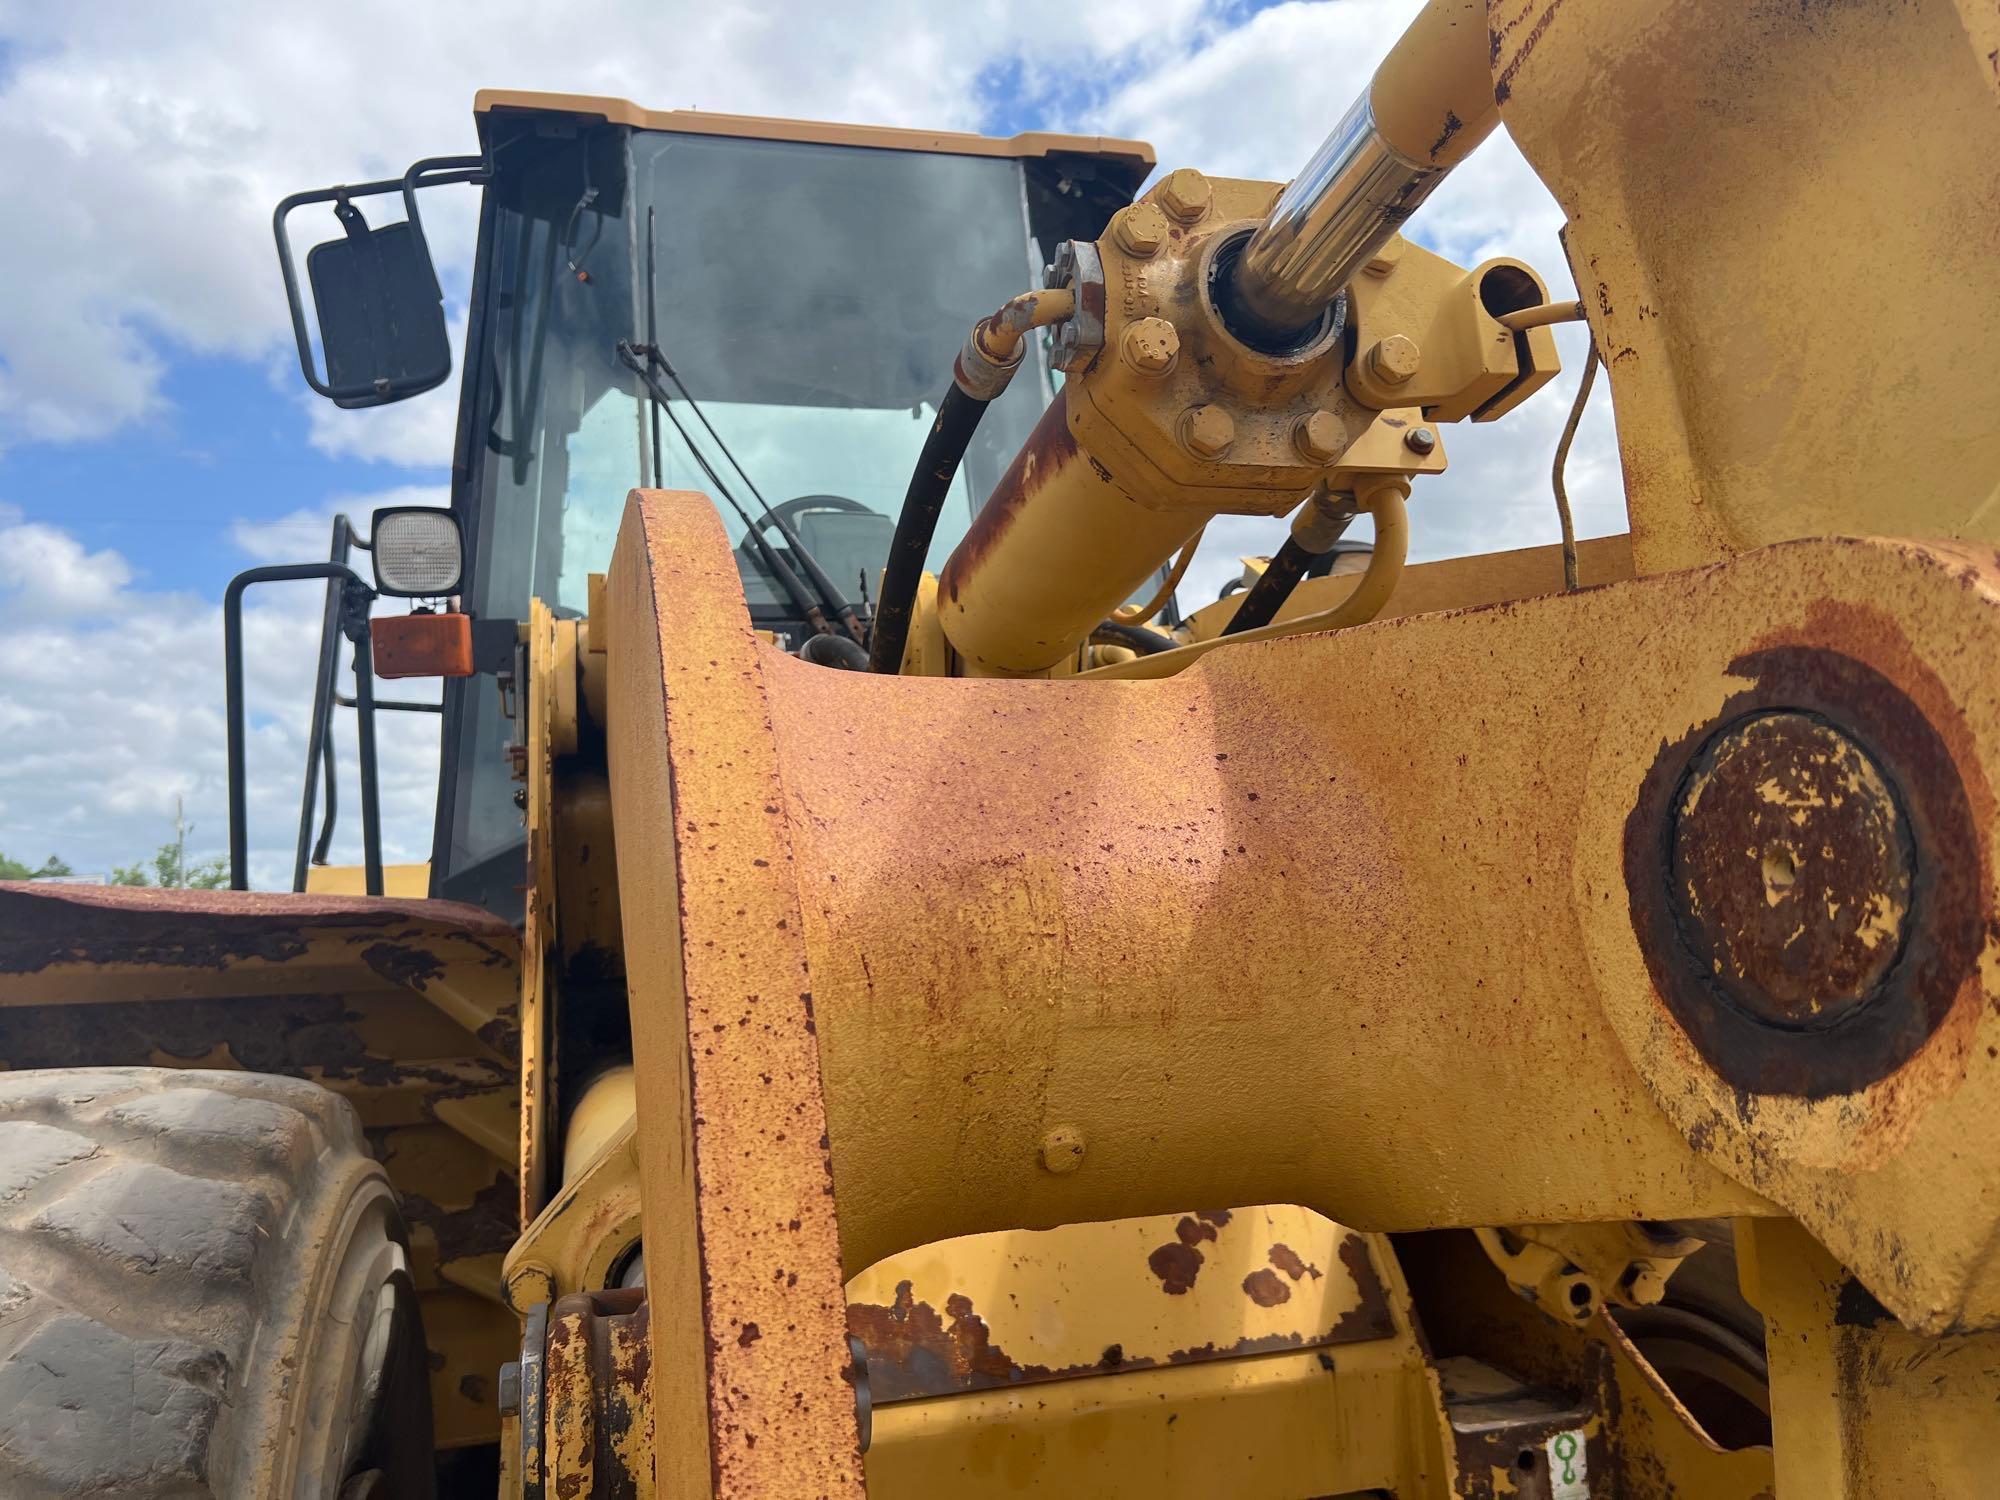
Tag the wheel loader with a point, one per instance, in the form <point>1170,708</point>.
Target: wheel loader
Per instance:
<point>904,1001</point>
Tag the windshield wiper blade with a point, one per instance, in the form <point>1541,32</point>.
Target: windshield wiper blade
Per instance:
<point>802,598</point>
<point>830,596</point>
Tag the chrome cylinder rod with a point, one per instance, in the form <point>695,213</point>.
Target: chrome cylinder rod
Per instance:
<point>1429,103</point>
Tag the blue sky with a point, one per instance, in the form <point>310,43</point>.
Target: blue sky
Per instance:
<point>155,437</point>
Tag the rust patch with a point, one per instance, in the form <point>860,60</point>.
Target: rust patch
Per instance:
<point>1369,1318</point>
<point>1288,1260</point>
<point>913,1351</point>
<point>1191,1232</point>
<point>1934,968</point>
<point>1503,85</point>
<point>403,964</point>
<point>1791,869</point>
<point>45,925</point>
<point>1048,449</point>
<point>1262,1343</point>
<point>1176,1265</point>
<point>1266,1287</point>
<point>488,1225</point>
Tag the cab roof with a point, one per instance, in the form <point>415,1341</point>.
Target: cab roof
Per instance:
<point>1126,161</point>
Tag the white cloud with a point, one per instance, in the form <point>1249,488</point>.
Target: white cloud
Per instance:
<point>110,714</point>
<point>304,535</point>
<point>412,434</point>
<point>142,147</point>
<point>46,571</point>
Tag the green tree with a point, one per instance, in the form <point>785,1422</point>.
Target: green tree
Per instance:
<point>13,869</point>
<point>171,869</point>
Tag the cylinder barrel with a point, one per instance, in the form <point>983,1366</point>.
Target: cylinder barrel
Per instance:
<point>1056,549</point>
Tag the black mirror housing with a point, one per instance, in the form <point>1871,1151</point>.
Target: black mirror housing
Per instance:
<point>381,311</point>
<point>381,314</point>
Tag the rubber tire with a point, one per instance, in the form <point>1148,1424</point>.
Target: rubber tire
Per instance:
<point>204,1292</point>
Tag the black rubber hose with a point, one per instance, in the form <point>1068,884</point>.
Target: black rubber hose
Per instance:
<point>951,434</point>
<point>1272,588</point>
<point>1136,637</point>
<point>839,651</point>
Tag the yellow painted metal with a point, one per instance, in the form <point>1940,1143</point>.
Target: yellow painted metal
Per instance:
<point>1432,96</point>
<point>1466,363</point>
<point>589,1224</point>
<point>1454,583</point>
<point>1132,159</point>
<point>602,1113</point>
<point>351,880</point>
<point>1150,442</point>
<point>1282,1425</point>
<point>743,1264</point>
<point>536,770</point>
<point>1485,909</point>
<point>1095,1300</point>
<point>1668,1456</point>
<point>1783,224</point>
<point>1859,1405</point>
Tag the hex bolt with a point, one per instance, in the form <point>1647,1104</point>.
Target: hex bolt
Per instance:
<point>1207,431</point>
<point>1420,440</point>
<point>1150,345</point>
<point>1140,230</point>
<point>529,1284</point>
<point>1319,437</point>
<point>1393,360</point>
<point>508,1401</point>
<point>1184,193</point>
<point>1062,1149</point>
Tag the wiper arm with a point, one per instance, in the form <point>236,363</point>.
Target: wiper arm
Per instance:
<point>640,358</point>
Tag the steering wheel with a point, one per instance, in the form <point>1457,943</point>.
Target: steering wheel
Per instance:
<point>789,510</point>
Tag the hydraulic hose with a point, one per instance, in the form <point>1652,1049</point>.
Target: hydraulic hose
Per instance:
<point>1371,595</point>
<point>1321,522</point>
<point>1133,637</point>
<point>1272,588</point>
<point>937,465</point>
<point>992,353</point>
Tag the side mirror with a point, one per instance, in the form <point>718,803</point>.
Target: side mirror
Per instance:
<point>418,551</point>
<point>381,311</point>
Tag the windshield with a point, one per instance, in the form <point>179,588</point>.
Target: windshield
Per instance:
<point>810,298</point>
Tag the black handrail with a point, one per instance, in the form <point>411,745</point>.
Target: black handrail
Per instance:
<point>319,739</point>
<point>355,598</point>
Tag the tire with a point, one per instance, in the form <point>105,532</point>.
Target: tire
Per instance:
<point>204,1292</point>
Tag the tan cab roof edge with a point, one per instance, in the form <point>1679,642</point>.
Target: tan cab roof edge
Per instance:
<point>759,127</point>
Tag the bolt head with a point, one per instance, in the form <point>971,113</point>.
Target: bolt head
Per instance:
<point>1319,437</point>
<point>1150,345</point>
<point>1140,230</point>
<point>1420,440</point>
<point>1062,1149</point>
<point>1184,193</point>
<point>1793,871</point>
<point>1394,360</point>
<point>1207,431</point>
<point>509,1398</point>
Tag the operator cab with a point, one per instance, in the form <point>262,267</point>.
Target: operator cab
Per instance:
<point>765,311</point>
